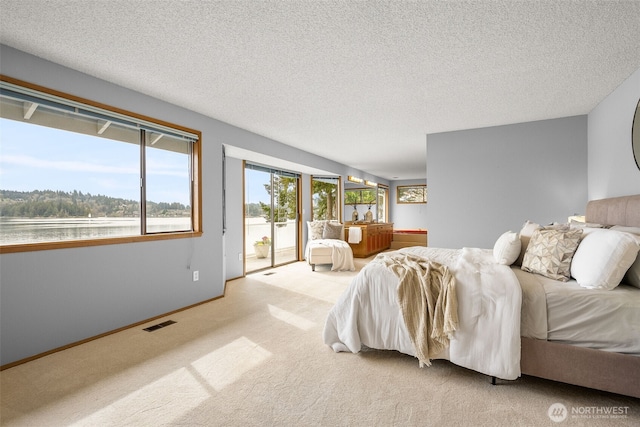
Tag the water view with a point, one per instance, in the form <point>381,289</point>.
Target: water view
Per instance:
<point>38,230</point>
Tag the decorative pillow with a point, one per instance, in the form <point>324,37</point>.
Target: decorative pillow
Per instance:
<point>603,258</point>
<point>332,231</point>
<point>550,252</point>
<point>315,229</point>
<point>507,248</point>
<point>525,235</point>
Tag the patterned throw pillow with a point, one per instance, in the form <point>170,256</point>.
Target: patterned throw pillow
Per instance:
<point>550,252</point>
<point>315,229</point>
<point>332,231</point>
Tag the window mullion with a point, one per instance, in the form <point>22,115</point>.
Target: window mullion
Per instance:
<point>143,183</point>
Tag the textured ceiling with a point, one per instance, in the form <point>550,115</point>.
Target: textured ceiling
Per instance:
<point>361,83</point>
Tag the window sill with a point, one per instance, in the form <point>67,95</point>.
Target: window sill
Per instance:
<point>45,246</point>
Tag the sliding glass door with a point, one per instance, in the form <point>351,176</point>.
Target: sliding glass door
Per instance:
<point>271,217</point>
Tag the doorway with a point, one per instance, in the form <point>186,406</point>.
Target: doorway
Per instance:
<point>271,217</point>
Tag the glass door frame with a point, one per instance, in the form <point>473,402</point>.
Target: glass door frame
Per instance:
<point>277,226</point>
<point>274,225</point>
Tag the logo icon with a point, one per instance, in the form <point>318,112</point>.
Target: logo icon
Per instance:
<point>557,412</point>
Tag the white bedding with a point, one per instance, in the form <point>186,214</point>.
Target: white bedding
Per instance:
<point>601,319</point>
<point>489,300</point>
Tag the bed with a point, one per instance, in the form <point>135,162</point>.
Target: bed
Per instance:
<point>514,320</point>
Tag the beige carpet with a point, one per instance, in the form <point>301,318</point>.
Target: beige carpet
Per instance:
<point>256,357</point>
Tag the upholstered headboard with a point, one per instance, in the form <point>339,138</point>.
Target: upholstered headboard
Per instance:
<point>623,210</point>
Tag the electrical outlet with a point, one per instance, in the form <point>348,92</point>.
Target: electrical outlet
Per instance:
<point>196,276</point>
<point>239,256</point>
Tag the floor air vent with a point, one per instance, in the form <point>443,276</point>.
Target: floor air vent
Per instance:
<point>269,274</point>
<point>159,326</point>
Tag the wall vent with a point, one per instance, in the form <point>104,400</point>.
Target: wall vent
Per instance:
<point>159,326</point>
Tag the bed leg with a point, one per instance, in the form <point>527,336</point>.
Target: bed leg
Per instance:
<point>493,380</point>
<point>313,267</point>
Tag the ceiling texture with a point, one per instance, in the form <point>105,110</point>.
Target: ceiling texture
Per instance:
<point>359,82</point>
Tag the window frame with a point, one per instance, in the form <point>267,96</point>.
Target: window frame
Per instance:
<point>402,188</point>
<point>385,206</point>
<point>196,183</point>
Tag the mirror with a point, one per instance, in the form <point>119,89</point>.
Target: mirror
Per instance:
<point>359,201</point>
<point>635,135</point>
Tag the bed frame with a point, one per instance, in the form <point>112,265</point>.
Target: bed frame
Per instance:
<point>601,370</point>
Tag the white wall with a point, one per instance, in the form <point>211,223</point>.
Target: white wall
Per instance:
<point>483,182</point>
<point>612,168</point>
<point>407,215</point>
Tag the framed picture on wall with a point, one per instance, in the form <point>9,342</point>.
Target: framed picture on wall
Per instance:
<point>411,194</point>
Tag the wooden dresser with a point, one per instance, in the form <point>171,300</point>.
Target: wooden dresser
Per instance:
<point>376,237</point>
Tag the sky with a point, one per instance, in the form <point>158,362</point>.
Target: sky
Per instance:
<point>35,157</point>
<point>254,186</point>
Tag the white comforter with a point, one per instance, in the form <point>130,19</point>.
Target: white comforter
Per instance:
<point>489,301</point>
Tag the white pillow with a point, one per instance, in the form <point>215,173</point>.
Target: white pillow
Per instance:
<point>602,259</point>
<point>633,273</point>
<point>507,248</point>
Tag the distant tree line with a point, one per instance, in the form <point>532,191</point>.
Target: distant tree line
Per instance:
<point>61,204</point>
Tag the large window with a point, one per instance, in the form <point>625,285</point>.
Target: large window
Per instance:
<point>77,173</point>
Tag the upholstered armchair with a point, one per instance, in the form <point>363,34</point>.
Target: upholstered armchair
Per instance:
<point>326,245</point>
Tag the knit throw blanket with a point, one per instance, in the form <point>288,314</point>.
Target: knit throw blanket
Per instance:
<point>428,302</point>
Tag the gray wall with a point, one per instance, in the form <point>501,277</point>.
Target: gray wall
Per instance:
<point>612,169</point>
<point>483,182</point>
<point>407,216</point>
<point>53,298</point>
